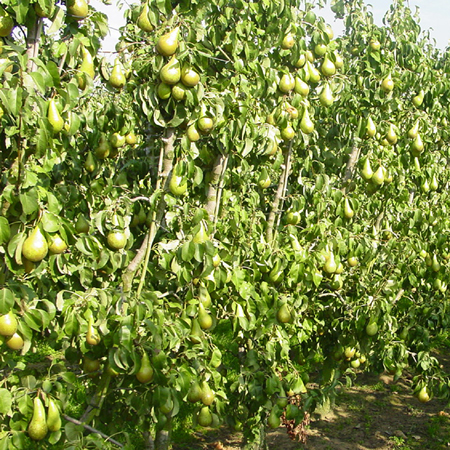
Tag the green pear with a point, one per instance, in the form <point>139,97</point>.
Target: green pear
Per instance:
<point>378,176</point>
<point>204,318</point>
<point>189,77</point>
<point>192,133</point>
<point>306,124</point>
<point>414,131</point>
<point>330,265</point>
<point>167,44</point>
<point>204,417</point>
<point>117,78</point>
<point>143,21</point>
<point>57,245</point>
<point>171,72</point>
<point>54,117</point>
<point>328,68</point>
<point>78,9</point>
<point>92,336</point>
<point>348,211</point>
<point>418,99</point>
<point>195,393</point>
<point>435,265</point>
<point>86,68</point>
<point>371,129</point>
<point>417,146</point>
<point>146,372</point>
<point>8,324</point>
<point>204,297</point>
<point>391,135</point>
<point>283,314</point>
<point>264,179</point>
<point>179,92</point>
<point>37,428</point>
<point>15,342</point>
<point>81,225</point>
<point>274,420</point>
<point>6,23</point>
<point>89,164</point>
<point>53,416</point>
<point>196,334</point>
<point>35,246</point>
<point>288,41</point>
<point>208,395</point>
<point>301,87</point>
<point>177,184</point>
<point>326,96</point>
<point>287,83</point>
<point>314,74</point>
<point>434,183</point>
<point>367,172</point>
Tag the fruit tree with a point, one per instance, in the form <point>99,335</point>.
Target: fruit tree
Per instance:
<point>239,204</point>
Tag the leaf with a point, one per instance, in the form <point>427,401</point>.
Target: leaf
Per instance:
<point>58,20</point>
<point>50,223</point>
<point>187,251</point>
<point>5,231</point>
<point>6,300</point>
<point>29,201</point>
<point>5,401</point>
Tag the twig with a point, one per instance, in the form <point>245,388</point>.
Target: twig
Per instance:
<point>93,430</point>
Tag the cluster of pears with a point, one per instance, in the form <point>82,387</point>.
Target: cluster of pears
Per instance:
<point>41,422</point>
<point>8,329</point>
<point>201,392</point>
<point>375,179</point>
<point>36,247</point>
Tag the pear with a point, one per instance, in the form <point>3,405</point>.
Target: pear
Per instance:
<point>81,225</point>
<point>38,429</point>
<point>338,61</point>
<point>86,68</point>
<point>204,297</point>
<point>378,176</point>
<point>15,342</point>
<point>287,133</point>
<point>348,211</point>
<point>54,117</point>
<point>434,183</point>
<point>179,92</point>
<point>288,41</point>
<point>8,324</point>
<point>314,74</point>
<point>146,372</point>
<point>417,163</point>
<point>35,246</point>
<point>204,417</point>
<point>53,416</point>
<point>168,43</point>
<point>208,396</point>
<point>283,314</point>
<point>326,96</point>
<point>418,99</point>
<point>164,91</point>
<point>306,124</point>
<point>57,245</point>
<point>89,164</point>
<point>78,9</point>
<point>391,135</point>
<point>264,179</point>
<point>6,23</point>
<point>330,265</point>
<point>417,146</point>
<point>117,78</point>
<point>387,85</point>
<point>189,77</point>
<point>201,236</point>
<point>301,61</point>
<point>204,319</point>
<point>414,131</point>
<point>103,149</point>
<point>435,265</point>
<point>274,420</point>
<point>194,394</point>
<point>328,68</point>
<point>301,87</point>
<point>92,336</point>
<point>143,22</point>
<point>192,133</point>
<point>196,334</point>
<point>287,83</point>
<point>171,72</point>
<point>205,124</point>
<point>367,172</point>
<point>177,184</point>
<point>371,129</point>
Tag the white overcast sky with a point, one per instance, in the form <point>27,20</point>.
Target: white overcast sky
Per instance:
<point>434,15</point>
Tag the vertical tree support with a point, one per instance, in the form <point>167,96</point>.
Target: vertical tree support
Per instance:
<point>215,187</point>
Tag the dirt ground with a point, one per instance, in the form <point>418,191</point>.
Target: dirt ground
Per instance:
<point>377,413</point>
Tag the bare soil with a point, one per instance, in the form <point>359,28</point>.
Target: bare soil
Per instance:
<point>377,413</point>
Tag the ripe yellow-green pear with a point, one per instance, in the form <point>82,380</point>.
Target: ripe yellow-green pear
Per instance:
<point>171,72</point>
<point>54,117</point>
<point>78,9</point>
<point>167,44</point>
<point>8,324</point>
<point>15,342</point>
<point>117,78</point>
<point>146,372</point>
<point>143,21</point>
<point>37,428</point>
<point>35,246</point>
<point>53,416</point>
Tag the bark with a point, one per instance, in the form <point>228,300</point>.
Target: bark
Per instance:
<point>277,204</point>
<point>215,187</point>
<point>351,164</point>
<point>33,37</point>
<point>164,169</point>
<point>163,437</point>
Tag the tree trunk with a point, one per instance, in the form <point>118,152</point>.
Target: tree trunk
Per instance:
<point>164,169</point>
<point>33,36</point>
<point>215,187</point>
<point>163,437</point>
<point>351,164</point>
<point>277,204</point>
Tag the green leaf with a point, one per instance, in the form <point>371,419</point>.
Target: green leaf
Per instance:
<point>29,201</point>
<point>5,401</point>
<point>5,231</point>
<point>6,300</point>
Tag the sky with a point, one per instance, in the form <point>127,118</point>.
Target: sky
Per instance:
<point>434,15</point>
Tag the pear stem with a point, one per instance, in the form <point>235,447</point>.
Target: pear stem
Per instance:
<point>277,205</point>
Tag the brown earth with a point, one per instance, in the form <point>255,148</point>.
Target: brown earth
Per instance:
<point>377,413</point>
